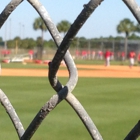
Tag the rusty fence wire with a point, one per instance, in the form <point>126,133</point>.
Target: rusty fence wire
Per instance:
<point>64,92</point>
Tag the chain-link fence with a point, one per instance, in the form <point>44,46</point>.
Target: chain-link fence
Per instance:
<point>84,49</point>
<point>63,91</point>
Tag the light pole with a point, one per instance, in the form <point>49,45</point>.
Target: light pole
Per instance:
<point>20,30</point>
<point>23,26</point>
<point>10,30</point>
<point>5,43</point>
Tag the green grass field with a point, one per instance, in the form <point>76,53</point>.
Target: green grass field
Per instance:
<point>22,66</point>
<point>113,104</point>
<point>38,66</point>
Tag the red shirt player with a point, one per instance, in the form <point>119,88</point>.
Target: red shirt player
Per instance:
<point>138,58</point>
<point>123,56</point>
<point>131,58</point>
<point>107,58</point>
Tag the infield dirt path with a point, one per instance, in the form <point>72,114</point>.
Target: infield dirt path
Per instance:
<point>83,71</point>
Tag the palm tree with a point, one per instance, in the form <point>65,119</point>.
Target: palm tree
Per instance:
<point>63,26</point>
<point>126,26</point>
<point>137,28</point>
<point>40,25</point>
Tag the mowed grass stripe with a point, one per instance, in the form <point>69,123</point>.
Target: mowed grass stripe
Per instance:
<point>112,103</point>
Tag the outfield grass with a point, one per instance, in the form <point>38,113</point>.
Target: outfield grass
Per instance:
<point>39,66</point>
<point>113,104</point>
<point>25,66</point>
<point>102,62</point>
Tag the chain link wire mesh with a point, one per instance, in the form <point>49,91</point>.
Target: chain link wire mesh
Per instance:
<point>62,53</point>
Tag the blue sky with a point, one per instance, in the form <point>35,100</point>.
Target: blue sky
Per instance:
<point>102,22</point>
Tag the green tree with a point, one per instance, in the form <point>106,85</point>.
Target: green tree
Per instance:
<point>126,26</point>
<point>31,43</point>
<point>40,25</point>
<point>24,43</point>
<point>50,44</point>
<point>18,42</point>
<point>63,26</point>
<point>1,39</point>
<point>137,30</point>
<point>134,37</point>
<point>82,42</point>
<point>11,44</point>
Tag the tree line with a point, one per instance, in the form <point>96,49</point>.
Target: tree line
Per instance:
<point>125,26</point>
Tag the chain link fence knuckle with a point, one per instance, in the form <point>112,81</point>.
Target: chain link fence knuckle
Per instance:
<point>62,53</point>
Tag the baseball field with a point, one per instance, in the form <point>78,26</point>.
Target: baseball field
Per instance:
<point>83,71</point>
<point>110,95</point>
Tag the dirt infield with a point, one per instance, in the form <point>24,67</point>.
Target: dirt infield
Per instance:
<point>83,71</point>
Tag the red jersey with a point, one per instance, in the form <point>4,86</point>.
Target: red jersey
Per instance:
<point>122,54</point>
<point>139,57</point>
<point>107,54</point>
<point>131,54</point>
